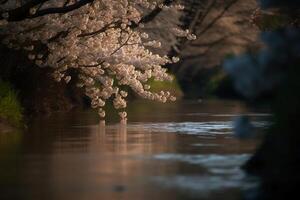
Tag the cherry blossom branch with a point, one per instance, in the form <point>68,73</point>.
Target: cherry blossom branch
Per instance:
<point>122,45</point>
<point>146,19</point>
<point>104,64</point>
<point>101,30</point>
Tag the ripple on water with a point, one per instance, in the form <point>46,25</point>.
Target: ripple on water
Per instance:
<point>192,128</point>
<point>231,115</point>
<point>223,172</point>
<point>210,161</point>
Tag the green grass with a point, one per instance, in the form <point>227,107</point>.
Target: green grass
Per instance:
<point>214,83</point>
<point>273,22</point>
<point>10,107</point>
<point>172,86</point>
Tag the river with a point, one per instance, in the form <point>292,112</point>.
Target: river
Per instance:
<point>183,150</point>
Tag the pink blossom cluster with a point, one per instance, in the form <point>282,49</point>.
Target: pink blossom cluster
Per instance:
<point>99,42</point>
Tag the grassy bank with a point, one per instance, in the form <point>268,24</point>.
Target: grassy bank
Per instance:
<point>172,86</point>
<point>10,107</point>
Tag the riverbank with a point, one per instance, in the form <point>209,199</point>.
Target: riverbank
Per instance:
<point>6,127</point>
<point>11,111</point>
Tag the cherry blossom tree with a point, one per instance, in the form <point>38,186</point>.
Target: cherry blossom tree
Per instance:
<point>104,41</point>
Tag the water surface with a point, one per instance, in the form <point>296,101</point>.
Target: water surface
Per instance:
<point>183,150</point>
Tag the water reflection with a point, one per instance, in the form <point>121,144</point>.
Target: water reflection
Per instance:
<point>176,154</point>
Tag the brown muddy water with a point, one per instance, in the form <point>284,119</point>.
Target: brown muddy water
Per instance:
<point>183,150</point>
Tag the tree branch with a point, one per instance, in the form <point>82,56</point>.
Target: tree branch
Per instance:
<point>151,16</point>
<point>23,12</point>
<point>219,16</point>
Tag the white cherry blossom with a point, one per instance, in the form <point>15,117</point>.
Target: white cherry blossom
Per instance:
<point>103,41</point>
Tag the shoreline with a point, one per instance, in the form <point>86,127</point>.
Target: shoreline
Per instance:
<point>6,127</point>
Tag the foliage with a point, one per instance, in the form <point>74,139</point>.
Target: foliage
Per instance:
<point>272,22</point>
<point>214,83</point>
<point>166,85</point>
<point>106,42</point>
<point>10,108</point>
